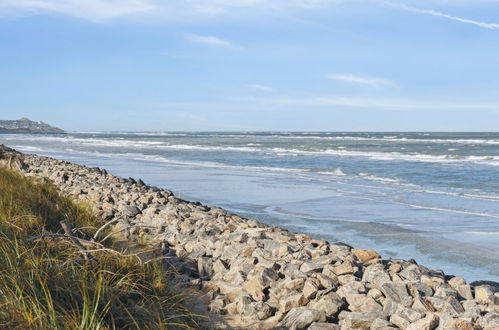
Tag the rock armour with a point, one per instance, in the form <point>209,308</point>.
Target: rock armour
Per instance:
<point>263,277</point>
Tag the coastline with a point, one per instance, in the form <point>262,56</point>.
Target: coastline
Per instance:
<point>260,276</point>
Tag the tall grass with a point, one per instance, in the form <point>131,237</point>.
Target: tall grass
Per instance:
<point>45,283</point>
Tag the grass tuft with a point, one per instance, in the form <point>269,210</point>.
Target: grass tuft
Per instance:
<point>45,283</point>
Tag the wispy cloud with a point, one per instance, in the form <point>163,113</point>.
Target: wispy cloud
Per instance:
<point>387,104</point>
<point>362,80</point>
<point>261,88</point>
<point>491,26</point>
<point>209,40</point>
<point>101,10</point>
<point>94,10</point>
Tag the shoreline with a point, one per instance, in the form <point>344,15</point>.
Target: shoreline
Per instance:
<point>260,276</point>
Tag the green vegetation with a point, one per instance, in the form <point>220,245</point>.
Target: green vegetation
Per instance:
<point>45,283</point>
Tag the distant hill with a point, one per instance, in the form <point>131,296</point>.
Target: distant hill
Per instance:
<point>25,125</point>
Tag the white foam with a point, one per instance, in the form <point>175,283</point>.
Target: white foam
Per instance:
<point>371,177</point>
<point>336,172</point>
<point>385,156</point>
<point>426,207</point>
<point>482,232</point>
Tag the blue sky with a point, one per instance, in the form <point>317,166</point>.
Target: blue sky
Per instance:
<point>386,65</point>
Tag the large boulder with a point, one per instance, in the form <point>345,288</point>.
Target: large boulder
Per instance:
<point>12,159</point>
<point>302,317</point>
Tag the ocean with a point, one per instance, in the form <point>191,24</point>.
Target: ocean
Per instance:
<point>433,197</point>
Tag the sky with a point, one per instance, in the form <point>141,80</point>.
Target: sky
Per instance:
<point>231,65</point>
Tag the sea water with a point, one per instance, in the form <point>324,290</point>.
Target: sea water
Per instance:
<point>433,197</point>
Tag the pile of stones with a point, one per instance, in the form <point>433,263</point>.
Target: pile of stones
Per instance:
<point>262,277</point>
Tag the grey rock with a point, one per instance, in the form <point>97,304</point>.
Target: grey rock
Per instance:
<point>377,275</point>
<point>430,322</point>
<point>452,307</point>
<point>302,317</point>
<point>352,320</point>
<point>397,292</point>
<point>484,294</point>
<point>380,324</point>
<point>490,321</point>
<point>129,211</point>
<point>323,326</point>
<point>205,267</point>
<point>362,303</point>
<point>311,267</point>
<point>331,304</point>
<point>292,301</point>
<point>411,273</point>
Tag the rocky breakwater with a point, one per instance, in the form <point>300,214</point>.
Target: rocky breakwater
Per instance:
<point>262,277</point>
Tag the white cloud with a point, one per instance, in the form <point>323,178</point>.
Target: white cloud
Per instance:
<point>388,104</point>
<point>94,10</point>
<point>209,40</point>
<point>217,6</point>
<point>101,10</point>
<point>261,88</point>
<point>491,26</point>
<point>362,80</point>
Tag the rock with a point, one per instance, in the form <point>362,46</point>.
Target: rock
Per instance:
<point>205,267</point>
<point>494,285</point>
<point>395,268</point>
<point>490,321</point>
<point>248,250</point>
<point>255,289</point>
<point>365,255</point>
<point>326,281</point>
<point>437,302</point>
<point>351,287</point>
<point>375,294</point>
<point>472,310</point>
<point>380,324</point>
<point>362,303</point>
<point>311,287</point>
<point>219,267</point>
<point>403,317</point>
<point>430,322</point>
<point>484,294</point>
<point>418,289</point>
<point>292,301</point>
<point>293,285</point>
<point>397,292</point>
<point>331,304</point>
<point>242,303</point>
<point>230,253</point>
<point>311,267</point>
<point>421,304</point>
<point>344,268</point>
<point>231,291</point>
<point>352,320</point>
<point>377,275</point>
<point>302,317</point>
<point>129,211</point>
<point>456,281</point>
<point>12,159</point>
<point>217,305</point>
<point>259,309</point>
<point>411,273</point>
<point>464,291</point>
<point>452,307</point>
<point>444,291</point>
<point>263,275</point>
<point>460,324</point>
<point>323,326</point>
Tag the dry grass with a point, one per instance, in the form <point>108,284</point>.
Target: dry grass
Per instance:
<point>45,283</point>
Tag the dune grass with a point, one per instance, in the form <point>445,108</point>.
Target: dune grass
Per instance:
<point>46,284</point>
